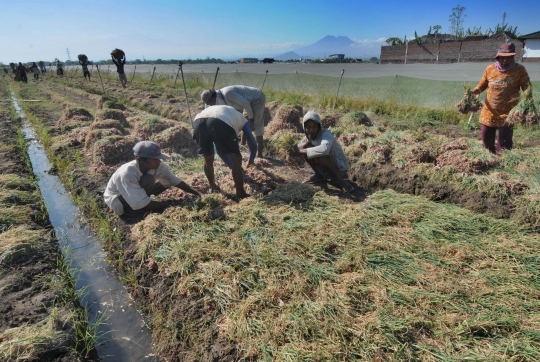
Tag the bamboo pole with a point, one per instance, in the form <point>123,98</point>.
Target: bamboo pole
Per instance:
<point>297,76</point>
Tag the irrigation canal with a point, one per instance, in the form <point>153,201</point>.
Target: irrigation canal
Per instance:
<point>121,334</point>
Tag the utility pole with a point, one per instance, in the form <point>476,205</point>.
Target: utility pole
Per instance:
<point>67,51</point>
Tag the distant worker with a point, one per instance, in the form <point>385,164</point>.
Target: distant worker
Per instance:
<point>86,73</point>
<point>120,69</point>
<point>130,187</point>
<point>42,67</point>
<point>35,70</point>
<point>5,71</point>
<point>324,154</point>
<point>21,70</point>
<point>59,68</point>
<point>503,80</point>
<point>241,97</point>
<point>217,127</point>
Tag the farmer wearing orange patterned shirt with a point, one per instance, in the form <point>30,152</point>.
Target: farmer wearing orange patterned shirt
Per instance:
<point>503,80</point>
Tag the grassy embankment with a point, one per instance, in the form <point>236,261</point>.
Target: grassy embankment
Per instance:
<point>299,274</point>
<point>41,316</point>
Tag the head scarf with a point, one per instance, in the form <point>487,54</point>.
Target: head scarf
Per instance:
<point>502,68</point>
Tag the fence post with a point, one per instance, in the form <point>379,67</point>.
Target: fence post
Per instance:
<point>133,76</point>
<point>152,77</point>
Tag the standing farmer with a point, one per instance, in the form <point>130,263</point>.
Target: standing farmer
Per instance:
<point>21,69</point>
<point>503,80</point>
<point>59,68</point>
<point>241,97</point>
<point>35,70</point>
<point>120,69</point>
<point>86,73</point>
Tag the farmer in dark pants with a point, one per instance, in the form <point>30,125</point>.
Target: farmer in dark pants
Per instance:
<point>217,128</point>
<point>86,73</point>
<point>120,69</point>
<point>241,97</point>
<point>503,80</point>
<point>21,69</point>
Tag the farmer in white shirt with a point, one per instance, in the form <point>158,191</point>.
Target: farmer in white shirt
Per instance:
<point>241,97</point>
<point>217,128</point>
<point>129,189</point>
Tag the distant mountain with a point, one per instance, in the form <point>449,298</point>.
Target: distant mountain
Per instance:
<point>327,46</point>
<point>288,56</point>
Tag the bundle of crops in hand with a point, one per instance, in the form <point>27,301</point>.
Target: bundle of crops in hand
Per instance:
<point>469,103</point>
<point>118,53</point>
<point>525,111</point>
<point>83,58</point>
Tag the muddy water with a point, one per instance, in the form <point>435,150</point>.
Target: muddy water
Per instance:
<point>121,332</point>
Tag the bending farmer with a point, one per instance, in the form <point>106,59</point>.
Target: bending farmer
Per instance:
<point>323,153</point>
<point>120,69</point>
<point>503,80</point>
<point>218,126</point>
<point>241,97</point>
<point>130,187</point>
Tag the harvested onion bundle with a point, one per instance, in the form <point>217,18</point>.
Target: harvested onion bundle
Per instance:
<point>525,111</point>
<point>470,102</point>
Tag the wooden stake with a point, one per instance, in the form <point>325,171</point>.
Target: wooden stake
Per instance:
<point>399,88</point>
<point>133,76</point>
<point>152,77</point>
<point>179,67</point>
<point>298,78</point>
<point>337,93</point>
<point>215,78</point>
<point>101,80</point>
<point>185,91</point>
<point>264,79</point>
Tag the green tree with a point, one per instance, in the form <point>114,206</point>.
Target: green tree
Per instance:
<point>457,17</point>
<point>436,30</point>
<point>394,41</point>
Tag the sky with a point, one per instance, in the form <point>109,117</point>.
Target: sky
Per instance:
<point>177,29</point>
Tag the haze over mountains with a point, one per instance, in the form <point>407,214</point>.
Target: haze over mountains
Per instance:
<point>334,45</point>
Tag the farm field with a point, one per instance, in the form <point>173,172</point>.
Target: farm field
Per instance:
<point>40,316</point>
<point>433,257</point>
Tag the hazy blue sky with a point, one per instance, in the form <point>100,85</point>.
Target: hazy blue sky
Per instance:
<point>168,29</point>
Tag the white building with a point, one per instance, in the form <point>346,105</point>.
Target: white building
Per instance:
<point>531,48</point>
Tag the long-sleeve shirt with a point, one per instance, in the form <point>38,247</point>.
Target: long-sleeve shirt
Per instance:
<point>326,144</point>
<point>239,97</point>
<point>21,69</point>
<point>502,93</point>
<point>125,182</point>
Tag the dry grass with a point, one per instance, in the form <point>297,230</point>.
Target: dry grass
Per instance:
<point>26,342</point>
<point>397,277</point>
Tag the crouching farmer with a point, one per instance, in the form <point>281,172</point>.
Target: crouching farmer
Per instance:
<point>323,153</point>
<point>218,127</point>
<point>130,187</point>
